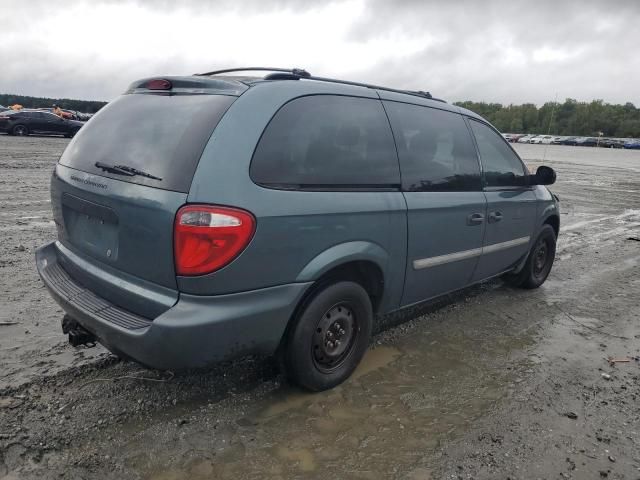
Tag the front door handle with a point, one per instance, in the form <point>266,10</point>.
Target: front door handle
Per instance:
<point>475,219</point>
<point>495,217</point>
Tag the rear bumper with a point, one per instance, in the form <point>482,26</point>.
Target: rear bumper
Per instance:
<point>195,332</point>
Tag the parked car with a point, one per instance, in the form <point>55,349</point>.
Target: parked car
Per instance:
<point>281,215</point>
<point>570,140</point>
<point>557,140</point>
<point>512,137</point>
<point>525,139</point>
<point>546,140</point>
<point>586,142</point>
<point>26,122</point>
<point>611,143</point>
<point>84,116</point>
<point>632,144</point>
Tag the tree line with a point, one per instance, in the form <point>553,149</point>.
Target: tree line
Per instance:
<point>568,118</point>
<point>84,106</point>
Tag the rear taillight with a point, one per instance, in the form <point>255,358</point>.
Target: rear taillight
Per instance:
<point>207,238</point>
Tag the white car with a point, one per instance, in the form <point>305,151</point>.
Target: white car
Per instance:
<point>525,139</point>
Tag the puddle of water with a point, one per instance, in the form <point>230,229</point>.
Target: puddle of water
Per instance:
<point>402,401</point>
<point>292,399</point>
<point>374,359</point>
<point>302,458</point>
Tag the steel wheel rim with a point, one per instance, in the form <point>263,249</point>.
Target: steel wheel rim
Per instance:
<point>334,337</point>
<point>540,258</point>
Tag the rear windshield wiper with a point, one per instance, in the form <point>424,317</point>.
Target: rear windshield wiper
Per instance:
<point>125,170</point>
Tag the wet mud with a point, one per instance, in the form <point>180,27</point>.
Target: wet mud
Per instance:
<point>493,382</point>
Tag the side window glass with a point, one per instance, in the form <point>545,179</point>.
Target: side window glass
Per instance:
<point>435,149</point>
<point>501,165</point>
<point>327,140</point>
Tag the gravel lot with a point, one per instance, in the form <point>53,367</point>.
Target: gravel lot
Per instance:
<point>491,383</point>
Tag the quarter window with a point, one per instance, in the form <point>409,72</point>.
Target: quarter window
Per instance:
<point>327,141</point>
<point>501,165</point>
<point>435,149</point>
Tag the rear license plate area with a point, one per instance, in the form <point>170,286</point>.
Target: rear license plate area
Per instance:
<point>91,227</point>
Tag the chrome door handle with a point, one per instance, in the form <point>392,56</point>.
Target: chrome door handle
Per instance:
<point>495,217</point>
<point>475,219</point>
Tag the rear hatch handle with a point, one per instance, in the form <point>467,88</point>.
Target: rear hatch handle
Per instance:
<point>125,170</point>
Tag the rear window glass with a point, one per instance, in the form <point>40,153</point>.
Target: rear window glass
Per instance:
<point>327,141</point>
<point>162,135</point>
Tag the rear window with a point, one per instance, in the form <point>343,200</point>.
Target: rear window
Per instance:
<point>162,135</point>
<point>327,141</point>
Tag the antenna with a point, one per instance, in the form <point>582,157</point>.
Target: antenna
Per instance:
<point>553,110</point>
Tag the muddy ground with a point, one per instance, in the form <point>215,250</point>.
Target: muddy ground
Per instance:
<point>493,383</point>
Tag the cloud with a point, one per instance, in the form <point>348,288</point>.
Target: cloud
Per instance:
<point>504,51</point>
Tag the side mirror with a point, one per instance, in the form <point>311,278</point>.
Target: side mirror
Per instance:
<point>544,176</point>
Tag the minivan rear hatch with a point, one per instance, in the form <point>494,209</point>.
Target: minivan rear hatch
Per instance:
<point>121,180</point>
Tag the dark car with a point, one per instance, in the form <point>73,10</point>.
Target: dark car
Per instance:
<point>283,214</point>
<point>26,122</point>
<point>586,142</point>
<point>568,141</point>
<point>611,143</point>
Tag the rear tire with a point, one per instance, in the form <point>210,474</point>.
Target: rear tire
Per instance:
<point>539,262</point>
<point>329,336</point>
<point>20,130</point>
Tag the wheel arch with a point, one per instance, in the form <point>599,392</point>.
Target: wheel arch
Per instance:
<point>554,221</point>
<point>359,261</point>
<point>328,268</point>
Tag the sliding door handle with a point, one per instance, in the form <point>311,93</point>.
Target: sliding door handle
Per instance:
<point>475,219</point>
<point>495,217</point>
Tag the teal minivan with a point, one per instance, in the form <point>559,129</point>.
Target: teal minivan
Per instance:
<point>205,217</point>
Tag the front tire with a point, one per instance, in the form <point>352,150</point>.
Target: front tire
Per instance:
<point>539,262</point>
<point>20,130</point>
<point>329,336</point>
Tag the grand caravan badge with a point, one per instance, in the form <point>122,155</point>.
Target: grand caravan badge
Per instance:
<point>88,181</point>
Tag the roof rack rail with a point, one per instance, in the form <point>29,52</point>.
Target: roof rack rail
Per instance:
<point>418,93</point>
<point>299,73</point>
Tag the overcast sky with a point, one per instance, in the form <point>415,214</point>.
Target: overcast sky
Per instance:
<point>502,51</point>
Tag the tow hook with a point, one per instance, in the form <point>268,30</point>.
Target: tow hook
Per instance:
<point>77,334</point>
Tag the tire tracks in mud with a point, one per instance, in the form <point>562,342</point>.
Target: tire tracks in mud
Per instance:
<point>561,371</point>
